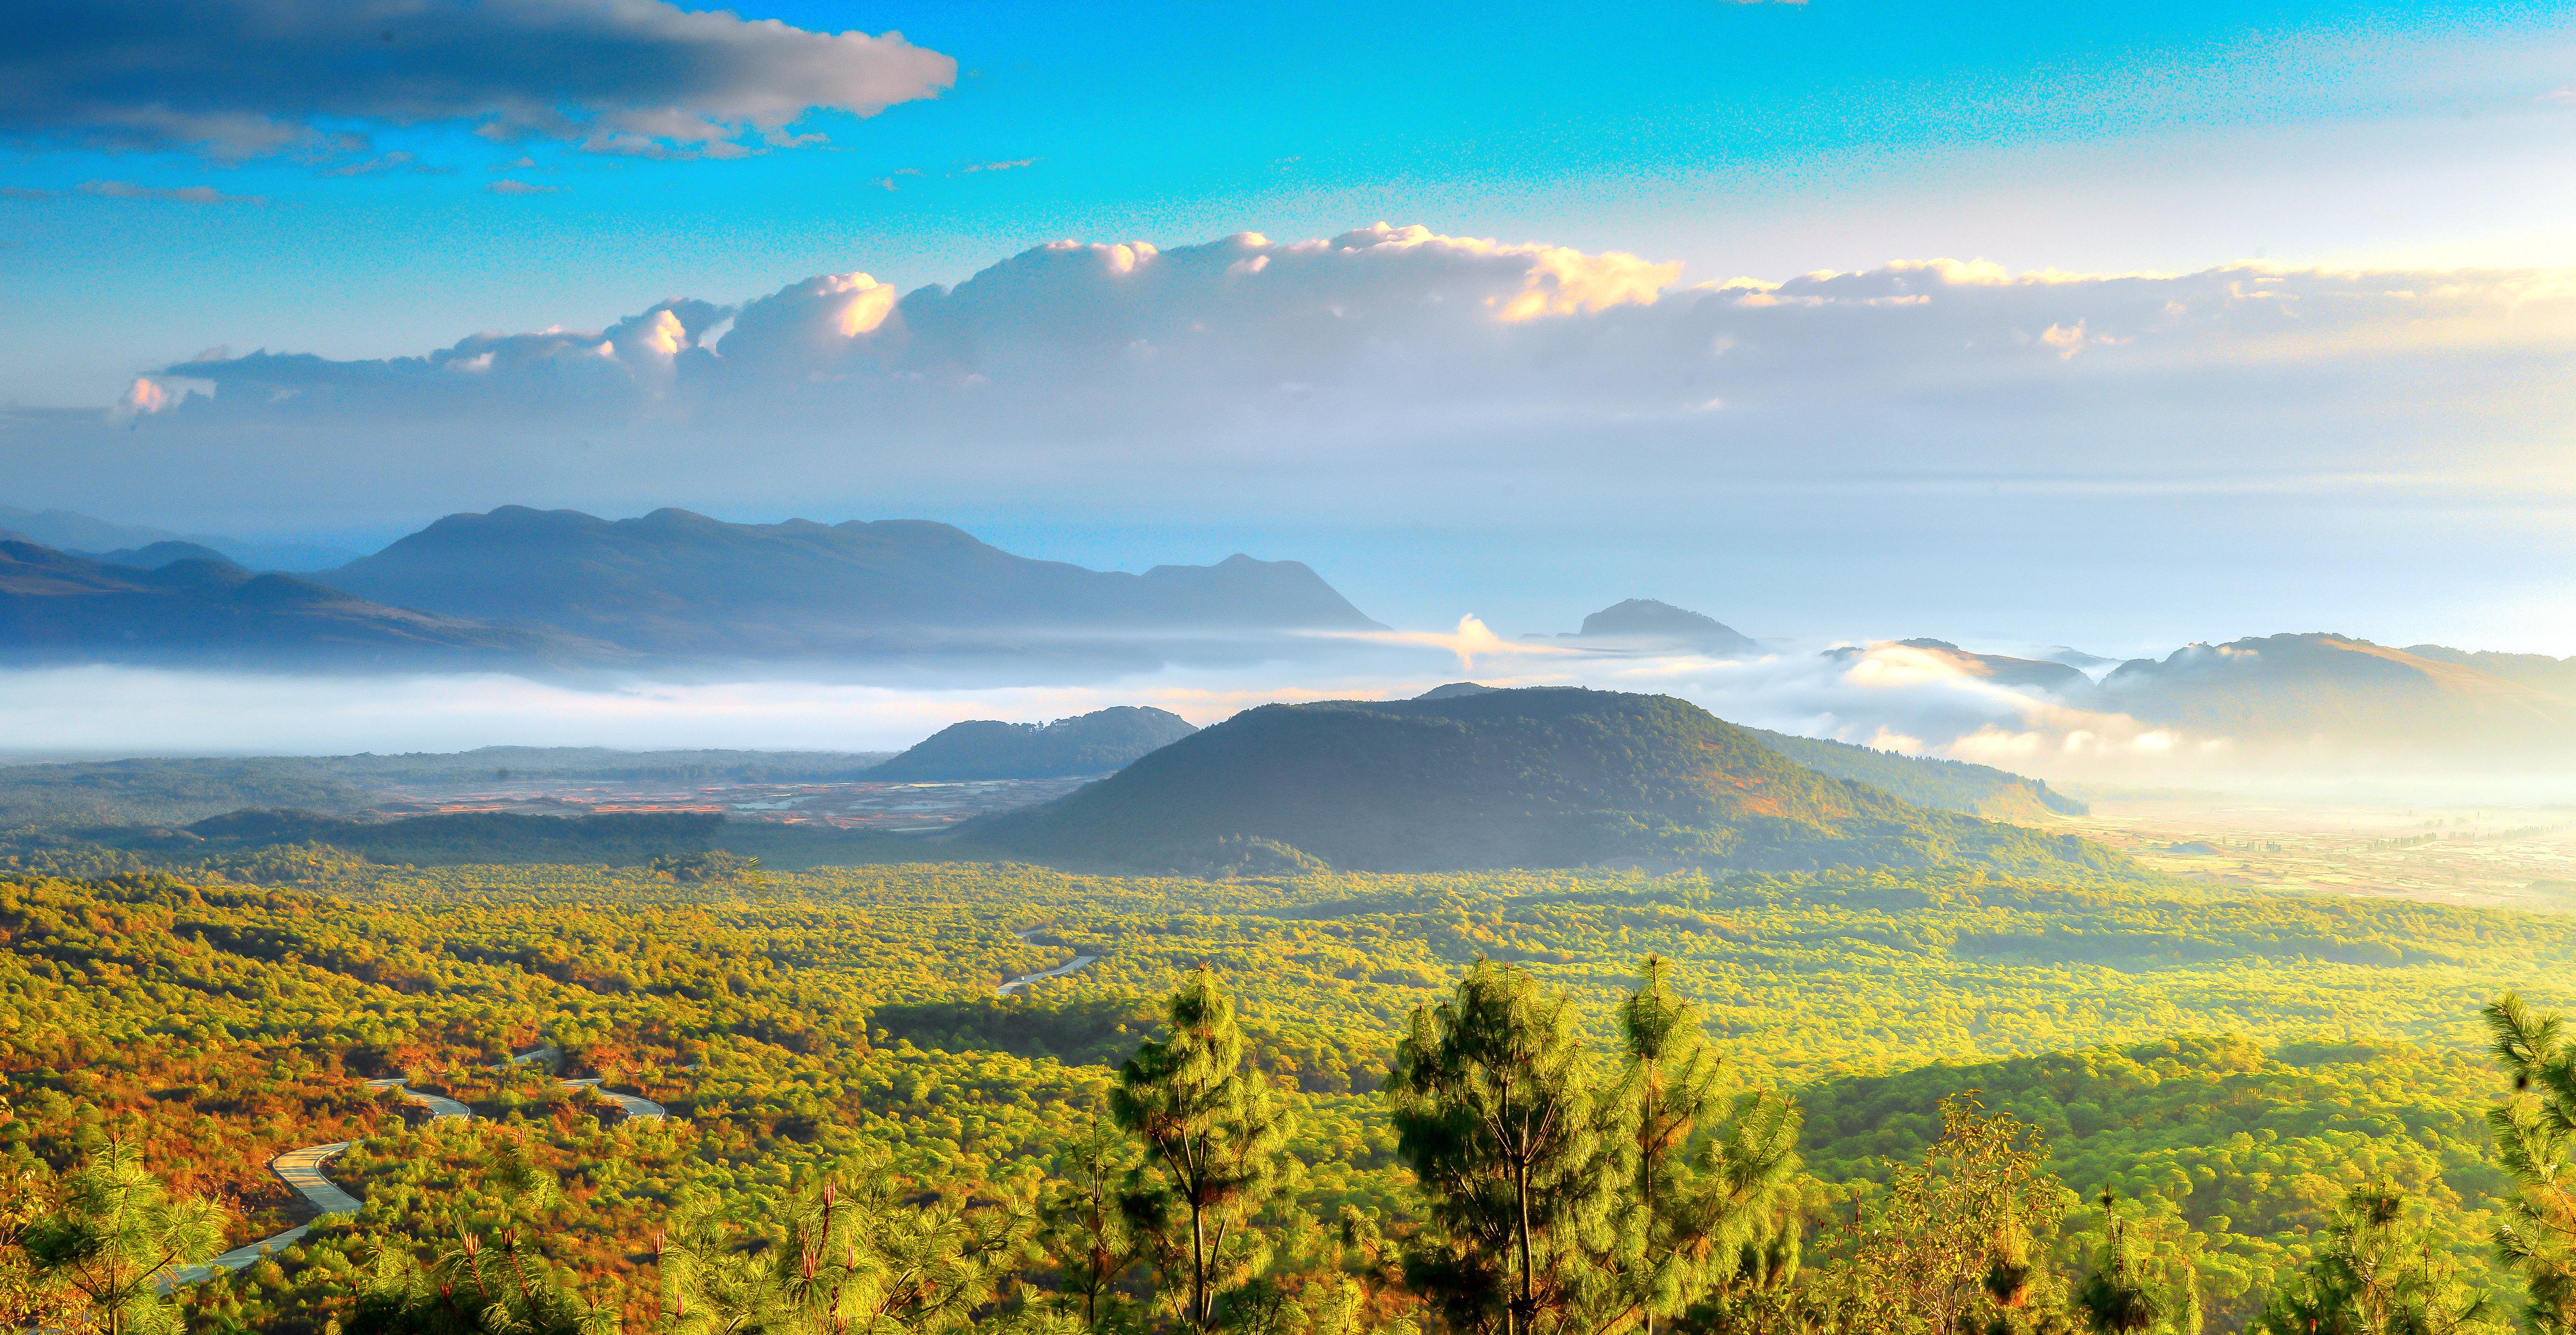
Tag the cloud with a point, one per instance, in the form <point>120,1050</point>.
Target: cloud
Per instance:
<point>186,194</point>
<point>1473,640</point>
<point>1013,165</point>
<point>236,78</point>
<point>1400,376</point>
<point>506,186</point>
<point>369,166</point>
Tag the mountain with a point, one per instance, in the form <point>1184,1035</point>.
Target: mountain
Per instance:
<point>64,530</point>
<point>2553,676</point>
<point>1925,781</point>
<point>1544,777</point>
<point>678,583</point>
<point>153,556</point>
<point>2299,688</point>
<point>1645,623</point>
<point>2057,678</point>
<point>1455,689</point>
<point>1095,743</point>
<point>57,607</point>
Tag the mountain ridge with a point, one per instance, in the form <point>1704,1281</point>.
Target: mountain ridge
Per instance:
<point>677,582</point>
<point>59,607</point>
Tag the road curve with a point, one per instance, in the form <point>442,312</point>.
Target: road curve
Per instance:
<point>1057,972</point>
<point>302,1170</point>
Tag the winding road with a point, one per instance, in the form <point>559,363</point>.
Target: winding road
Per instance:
<point>1057,972</point>
<point>302,1169</point>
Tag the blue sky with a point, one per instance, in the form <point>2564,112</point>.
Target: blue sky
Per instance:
<point>1763,140</point>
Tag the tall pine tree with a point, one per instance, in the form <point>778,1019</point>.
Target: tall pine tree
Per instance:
<point>1211,1134</point>
<point>1493,1108</point>
<point>2535,1136</point>
<point>1673,1212</point>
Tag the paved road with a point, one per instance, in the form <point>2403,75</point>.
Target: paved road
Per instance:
<point>1057,972</point>
<point>302,1170</point>
<point>439,1107</point>
<point>636,1109</point>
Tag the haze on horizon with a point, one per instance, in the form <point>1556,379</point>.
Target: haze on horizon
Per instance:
<point>1841,322</point>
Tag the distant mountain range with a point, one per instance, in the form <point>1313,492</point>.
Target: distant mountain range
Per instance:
<point>83,535</point>
<point>680,584</point>
<point>2298,688</point>
<point>1545,777</point>
<point>60,608</point>
<point>1095,743</point>
<point>556,590</point>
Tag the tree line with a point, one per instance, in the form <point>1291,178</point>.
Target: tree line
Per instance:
<point>1558,1186</point>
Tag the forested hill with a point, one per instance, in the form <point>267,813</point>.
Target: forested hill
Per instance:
<point>1096,743</point>
<point>1925,781</point>
<point>1548,777</point>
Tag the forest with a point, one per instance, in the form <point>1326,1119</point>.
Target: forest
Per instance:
<point>1921,1100</point>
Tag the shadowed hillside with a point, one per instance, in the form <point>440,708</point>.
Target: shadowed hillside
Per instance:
<point>1527,778</point>
<point>1926,781</point>
<point>1094,743</point>
<point>57,607</point>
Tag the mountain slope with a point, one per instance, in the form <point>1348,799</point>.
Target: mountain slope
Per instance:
<point>1546,777</point>
<point>1925,781</point>
<point>1095,743</point>
<point>676,582</point>
<point>57,607</point>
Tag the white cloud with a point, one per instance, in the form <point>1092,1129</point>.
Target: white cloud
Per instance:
<point>1398,372</point>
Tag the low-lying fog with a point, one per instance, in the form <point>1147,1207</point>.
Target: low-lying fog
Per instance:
<point>1889,696</point>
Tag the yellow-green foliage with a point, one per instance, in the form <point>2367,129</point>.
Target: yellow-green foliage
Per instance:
<point>792,1021</point>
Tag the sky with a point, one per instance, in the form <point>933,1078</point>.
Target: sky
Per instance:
<point>2014,324</point>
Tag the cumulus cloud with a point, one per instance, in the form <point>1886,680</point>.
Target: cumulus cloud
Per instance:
<point>1395,375</point>
<point>234,78</point>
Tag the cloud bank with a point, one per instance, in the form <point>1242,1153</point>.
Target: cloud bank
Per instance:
<point>236,78</point>
<point>1399,346</point>
<point>1830,454</point>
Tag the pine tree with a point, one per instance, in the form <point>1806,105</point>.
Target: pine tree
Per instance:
<point>1492,1095</point>
<point>2381,1272</point>
<point>118,1239</point>
<point>1211,1134</point>
<point>1673,1211</point>
<point>2535,1136</point>
<point>1084,1231</point>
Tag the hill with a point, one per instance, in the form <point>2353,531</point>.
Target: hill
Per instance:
<point>154,555</point>
<point>1925,781</point>
<point>1095,743</point>
<point>65,530</point>
<point>2296,688</point>
<point>1548,777</point>
<point>680,583</point>
<point>57,607</point>
<point>1646,623</point>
